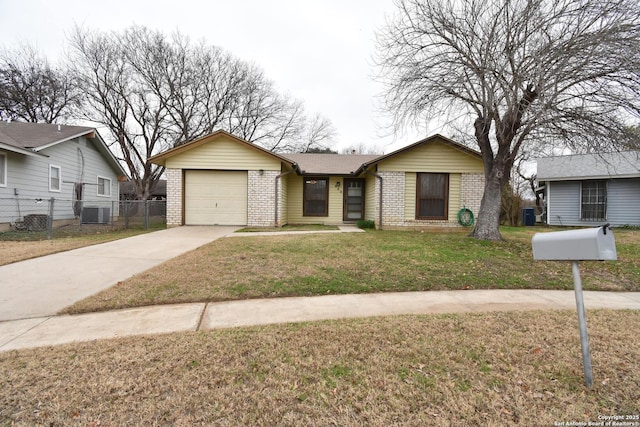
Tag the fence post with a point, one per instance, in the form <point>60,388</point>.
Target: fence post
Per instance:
<point>146,214</point>
<point>50,218</point>
<point>124,207</point>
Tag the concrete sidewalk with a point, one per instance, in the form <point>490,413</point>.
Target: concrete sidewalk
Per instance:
<point>54,330</point>
<point>43,286</point>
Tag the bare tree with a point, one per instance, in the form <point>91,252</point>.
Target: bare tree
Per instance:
<point>318,135</point>
<point>153,92</point>
<point>31,89</point>
<point>363,149</point>
<point>118,96</point>
<point>521,72</point>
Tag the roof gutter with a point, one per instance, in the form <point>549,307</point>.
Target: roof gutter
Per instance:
<point>376,175</point>
<point>18,150</point>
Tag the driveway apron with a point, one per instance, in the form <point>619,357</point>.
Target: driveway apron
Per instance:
<point>44,286</point>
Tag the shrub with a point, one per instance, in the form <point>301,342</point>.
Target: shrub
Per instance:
<point>366,223</point>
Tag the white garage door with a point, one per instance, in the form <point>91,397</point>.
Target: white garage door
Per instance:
<point>215,197</point>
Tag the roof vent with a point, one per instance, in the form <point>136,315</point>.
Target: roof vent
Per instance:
<point>58,127</point>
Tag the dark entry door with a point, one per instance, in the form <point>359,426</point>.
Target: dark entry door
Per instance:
<point>353,209</point>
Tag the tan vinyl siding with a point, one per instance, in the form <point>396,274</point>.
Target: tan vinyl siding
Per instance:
<point>370,207</point>
<point>223,154</point>
<point>433,157</point>
<point>283,212</point>
<point>455,186</point>
<point>335,201</point>
<point>295,200</point>
<point>410,181</point>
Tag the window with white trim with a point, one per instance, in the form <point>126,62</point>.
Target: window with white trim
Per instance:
<point>593,205</point>
<point>55,178</point>
<point>3,170</point>
<point>104,186</point>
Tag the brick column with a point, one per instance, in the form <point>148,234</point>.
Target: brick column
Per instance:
<point>393,188</point>
<point>261,208</point>
<point>174,197</point>
<point>472,191</point>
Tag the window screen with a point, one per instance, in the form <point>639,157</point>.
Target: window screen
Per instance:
<point>432,195</point>
<point>316,197</point>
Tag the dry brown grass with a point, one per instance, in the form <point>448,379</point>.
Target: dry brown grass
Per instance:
<point>320,264</point>
<point>14,251</point>
<point>497,369</point>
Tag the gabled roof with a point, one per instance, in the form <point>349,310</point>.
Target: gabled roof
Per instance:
<point>431,139</point>
<point>330,164</point>
<point>589,166</point>
<point>160,159</point>
<point>32,138</point>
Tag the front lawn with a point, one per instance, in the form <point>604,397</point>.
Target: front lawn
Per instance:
<point>376,261</point>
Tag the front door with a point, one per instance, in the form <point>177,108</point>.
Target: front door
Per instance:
<point>353,209</point>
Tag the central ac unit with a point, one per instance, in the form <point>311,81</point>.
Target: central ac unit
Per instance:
<point>96,215</point>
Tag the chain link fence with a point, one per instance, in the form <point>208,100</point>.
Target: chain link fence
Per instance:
<point>35,218</point>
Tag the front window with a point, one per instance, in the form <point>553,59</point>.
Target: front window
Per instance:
<point>593,205</point>
<point>3,170</point>
<point>316,197</point>
<point>432,191</point>
<point>55,178</point>
<point>104,186</point>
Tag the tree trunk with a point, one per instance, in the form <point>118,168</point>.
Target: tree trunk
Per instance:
<point>488,222</point>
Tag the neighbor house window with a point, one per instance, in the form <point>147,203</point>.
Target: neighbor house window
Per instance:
<point>55,178</point>
<point>432,191</point>
<point>104,186</point>
<point>316,197</point>
<point>3,170</point>
<point>593,203</point>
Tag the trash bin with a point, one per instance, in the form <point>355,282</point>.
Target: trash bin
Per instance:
<point>528,217</point>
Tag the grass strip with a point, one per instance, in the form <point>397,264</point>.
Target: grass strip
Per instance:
<point>492,369</point>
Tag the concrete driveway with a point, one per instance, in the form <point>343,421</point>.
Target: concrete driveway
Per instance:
<point>44,286</point>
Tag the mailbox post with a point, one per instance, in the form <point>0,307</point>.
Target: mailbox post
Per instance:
<point>591,244</point>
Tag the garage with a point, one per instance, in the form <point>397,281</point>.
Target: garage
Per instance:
<point>215,197</point>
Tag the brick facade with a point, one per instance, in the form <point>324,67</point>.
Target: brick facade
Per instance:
<point>393,186</point>
<point>261,207</point>
<point>174,197</point>
<point>393,203</point>
<point>471,192</point>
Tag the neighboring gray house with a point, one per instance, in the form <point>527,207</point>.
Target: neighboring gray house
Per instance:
<point>591,189</point>
<point>68,163</point>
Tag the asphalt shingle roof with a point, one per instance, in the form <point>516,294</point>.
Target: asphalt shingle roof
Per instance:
<point>34,135</point>
<point>583,166</point>
<point>330,164</point>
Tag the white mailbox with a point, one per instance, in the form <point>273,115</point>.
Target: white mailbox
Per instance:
<point>590,244</point>
<point>595,244</point>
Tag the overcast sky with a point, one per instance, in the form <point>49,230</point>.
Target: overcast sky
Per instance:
<point>318,51</point>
